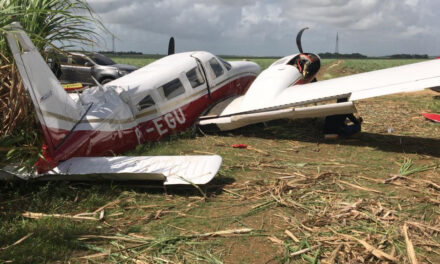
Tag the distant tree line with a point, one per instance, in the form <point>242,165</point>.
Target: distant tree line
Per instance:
<point>329,55</point>
<point>248,57</point>
<point>408,56</point>
<point>131,54</point>
<point>120,52</point>
<point>326,55</point>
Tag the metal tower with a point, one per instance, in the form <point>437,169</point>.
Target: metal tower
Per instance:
<point>113,43</point>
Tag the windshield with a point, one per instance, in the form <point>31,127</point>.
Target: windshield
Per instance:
<point>101,59</point>
<point>225,63</point>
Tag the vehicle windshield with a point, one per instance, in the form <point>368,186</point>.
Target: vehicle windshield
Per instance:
<point>101,59</point>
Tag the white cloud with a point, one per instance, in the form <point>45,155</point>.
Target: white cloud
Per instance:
<point>268,27</point>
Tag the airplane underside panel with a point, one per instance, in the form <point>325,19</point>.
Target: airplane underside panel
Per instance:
<point>237,121</point>
<point>172,170</point>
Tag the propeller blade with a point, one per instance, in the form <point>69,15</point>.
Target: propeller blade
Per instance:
<point>298,39</point>
<point>171,46</point>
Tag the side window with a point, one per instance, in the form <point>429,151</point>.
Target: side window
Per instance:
<point>57,57</point>
<point>61,58</point>
<point>172,89</point>
<point>145,103</point>
<point>78,61</point>
<point>195,77</point>
<point>216,67</point>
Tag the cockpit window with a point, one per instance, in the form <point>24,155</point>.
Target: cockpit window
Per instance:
<point>195,77</point>
<point>216,67</point>
<point>225,63</point>
<point>172,89</point>
<point>146,102</point>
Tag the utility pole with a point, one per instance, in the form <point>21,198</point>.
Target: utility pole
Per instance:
<point>337,45</point>
<point>113,44</point>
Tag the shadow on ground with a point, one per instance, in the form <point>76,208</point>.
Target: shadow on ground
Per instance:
<point>310,130</point>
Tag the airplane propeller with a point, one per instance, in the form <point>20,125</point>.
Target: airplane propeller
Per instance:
<point>298,39</point>
<point>171,46</point>
<point>298,43</point>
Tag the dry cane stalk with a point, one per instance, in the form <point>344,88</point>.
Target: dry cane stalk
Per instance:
<point>409,246</point>
<point>14,101</point>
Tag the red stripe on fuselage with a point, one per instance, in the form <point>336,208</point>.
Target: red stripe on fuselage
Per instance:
<point>83,143</point>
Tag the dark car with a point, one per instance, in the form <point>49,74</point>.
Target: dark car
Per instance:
<point>80,67</point>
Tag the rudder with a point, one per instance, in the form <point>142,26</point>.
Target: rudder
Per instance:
<point>56,110</point>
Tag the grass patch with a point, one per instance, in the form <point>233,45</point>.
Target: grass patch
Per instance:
<point>329,194</point>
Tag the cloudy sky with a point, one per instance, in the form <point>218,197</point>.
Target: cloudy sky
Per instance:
<point>269,27</point>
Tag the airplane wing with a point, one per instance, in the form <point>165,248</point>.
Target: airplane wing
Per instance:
<point>260,104</point>
<point>173,170</point>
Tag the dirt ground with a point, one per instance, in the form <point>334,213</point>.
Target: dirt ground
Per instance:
<point>290,197</point>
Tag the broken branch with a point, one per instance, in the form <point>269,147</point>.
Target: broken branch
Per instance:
<point>17,242</point>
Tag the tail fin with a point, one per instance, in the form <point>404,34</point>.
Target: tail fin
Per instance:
<point>56,110</point>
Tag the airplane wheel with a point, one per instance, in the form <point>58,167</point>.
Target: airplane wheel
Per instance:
<point>208,129</point>
<point>106,80</point>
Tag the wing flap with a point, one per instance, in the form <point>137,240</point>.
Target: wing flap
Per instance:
<point>236,121</point>
<point>173,170</point>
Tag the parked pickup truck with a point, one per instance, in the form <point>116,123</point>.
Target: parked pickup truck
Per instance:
<point>80,67</point>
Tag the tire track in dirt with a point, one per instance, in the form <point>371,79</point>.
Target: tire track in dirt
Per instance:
<point>326,70</point>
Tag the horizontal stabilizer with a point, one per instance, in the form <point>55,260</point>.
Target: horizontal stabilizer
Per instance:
<point>173,170</point>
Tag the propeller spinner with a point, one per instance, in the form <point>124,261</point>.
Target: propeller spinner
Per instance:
<point>308,63</point>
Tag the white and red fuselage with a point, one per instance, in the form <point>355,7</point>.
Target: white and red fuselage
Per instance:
<point>164,97</point>
<point>161,98</point>
<point>170,94</point>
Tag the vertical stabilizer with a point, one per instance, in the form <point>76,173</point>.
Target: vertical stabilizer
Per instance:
<point>56,110</point>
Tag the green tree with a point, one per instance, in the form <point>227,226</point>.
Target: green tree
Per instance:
<point>49,23</point>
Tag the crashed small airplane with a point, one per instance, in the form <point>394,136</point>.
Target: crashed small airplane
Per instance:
<point>163,97</point>
<point>171,94</point>
<point>288,89</point>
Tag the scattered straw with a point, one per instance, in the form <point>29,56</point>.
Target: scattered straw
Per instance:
<point>292,236</point>
<point>302,251</point>
<point>375,251</point>
<point>41,215</point>
<point>359,187</point>
<point>409,246</point>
